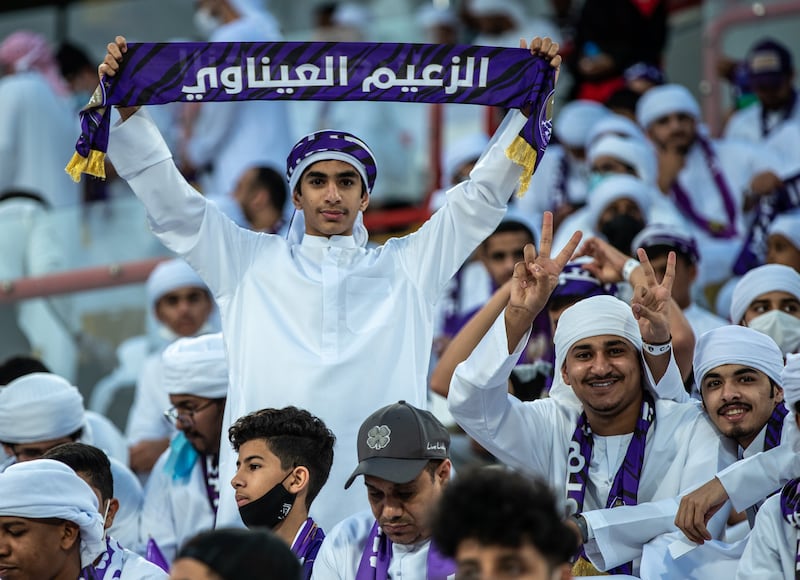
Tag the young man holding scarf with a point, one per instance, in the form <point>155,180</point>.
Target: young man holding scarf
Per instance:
<point>326,305</point>
<point>285,457</point>
<point>619,446</point>
<point>403,454</point>
<point>182,493</point>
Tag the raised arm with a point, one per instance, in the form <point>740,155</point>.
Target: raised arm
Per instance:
<point>184,220</point>
<point>467,339</point>
<point>658,315</point>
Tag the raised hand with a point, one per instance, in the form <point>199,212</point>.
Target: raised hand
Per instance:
<point>652,301</point>
<point>535,278</point>
<point>110,64</point>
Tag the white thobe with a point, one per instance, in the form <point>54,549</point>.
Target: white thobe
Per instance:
<point>702,320</point>
<point>324,325</point>
<point>739,162</point>
<point>683,448</point>
<point>31,246</point>
<point>175,510</point>
<point>38,130</point>
<point>782,135</point>
<point>124,564</point>
<point>341,551</point>
<point>146,417</point>
<point>771,551</point>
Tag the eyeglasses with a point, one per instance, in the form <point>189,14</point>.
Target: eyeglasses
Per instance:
<point>186,414</point>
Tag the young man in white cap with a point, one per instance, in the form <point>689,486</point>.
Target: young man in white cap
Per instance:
<point>773,550</point>
<point>39,411</point>
<point>182,305</point>
<point>325,304</point>
<point>618,446</point>
<point>182,493</point>
<point>767,299</point>
<point>50,527</point>
<point>403,454</point>
<point>707,179</point>
<point>783,240</point>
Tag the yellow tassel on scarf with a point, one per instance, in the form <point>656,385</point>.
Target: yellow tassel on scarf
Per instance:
<point>583,567</point>
<point>95,165</point>
<point>521,152</point>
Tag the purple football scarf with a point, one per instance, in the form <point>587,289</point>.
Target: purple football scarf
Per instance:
<point>377,555</point>
<point>307,546</point>
<point>156,73</point>
<point>108,565</point>
<point>786,198</point>
<point>625,489</point>
<point>211,477</point>
<point>717,229</point>
<point>772,438</point>
<point>790,508</point>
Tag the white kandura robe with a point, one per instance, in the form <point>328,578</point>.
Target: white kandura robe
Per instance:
<point>770,553</point>
<point>683,448</point>
<point>324,325</point>
<point>341,551</point>
<point>175,511</point>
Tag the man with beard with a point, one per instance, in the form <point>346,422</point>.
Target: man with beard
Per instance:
<point>619,447</point>
<point>706,179</point>
<point>404,456</point>
<point>261,194</point>
<point>182,492</point>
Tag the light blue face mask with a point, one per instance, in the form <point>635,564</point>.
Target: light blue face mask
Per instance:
<point>595,179</point>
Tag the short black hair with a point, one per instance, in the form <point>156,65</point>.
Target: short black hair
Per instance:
<point>294,436</point>
<point>237,554</point>
<point>275,184</point>
<point>20,365</point>
<point>510,225</point>
<point>498,507</point>
<point>659,250</point>
<point>72,59</point>
<point>88,460</point>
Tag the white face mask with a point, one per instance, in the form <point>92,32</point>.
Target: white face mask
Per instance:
<point>205,22</point>
<point>781,327</point>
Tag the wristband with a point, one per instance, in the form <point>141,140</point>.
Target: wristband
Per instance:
<point>583,527</point>
<point>630,265</point>
<point>657,349</point>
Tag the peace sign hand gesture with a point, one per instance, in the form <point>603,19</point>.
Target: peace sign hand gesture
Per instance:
<point>651,301</point>
<point>536,277</point>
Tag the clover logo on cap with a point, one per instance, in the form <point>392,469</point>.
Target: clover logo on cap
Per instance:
<point>378,437</point>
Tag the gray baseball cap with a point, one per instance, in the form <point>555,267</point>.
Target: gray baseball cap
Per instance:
<point>396,442</point>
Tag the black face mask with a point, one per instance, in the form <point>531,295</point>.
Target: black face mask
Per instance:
<point>620,231</point>
<point>270,509</point>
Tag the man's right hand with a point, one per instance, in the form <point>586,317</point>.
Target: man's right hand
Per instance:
<point>110,66</point>
<point>698,507</point>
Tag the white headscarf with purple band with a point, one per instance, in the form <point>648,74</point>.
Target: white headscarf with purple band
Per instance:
<point>326,146</point>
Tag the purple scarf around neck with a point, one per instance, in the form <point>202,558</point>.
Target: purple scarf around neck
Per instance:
<point>772,437</point>
<point>307,546</point>
<point>717,229</point>
<point>625,488</point>
<point>377,555</point>
<point>790,509</point>
<point>157,73</point>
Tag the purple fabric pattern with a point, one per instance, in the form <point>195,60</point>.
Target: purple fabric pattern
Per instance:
<point>772,438</point>
<point>307,546</point>
<point>377,555</point>
<point>625,488</point>
<point>790,508</point>
<point>156,73</point>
